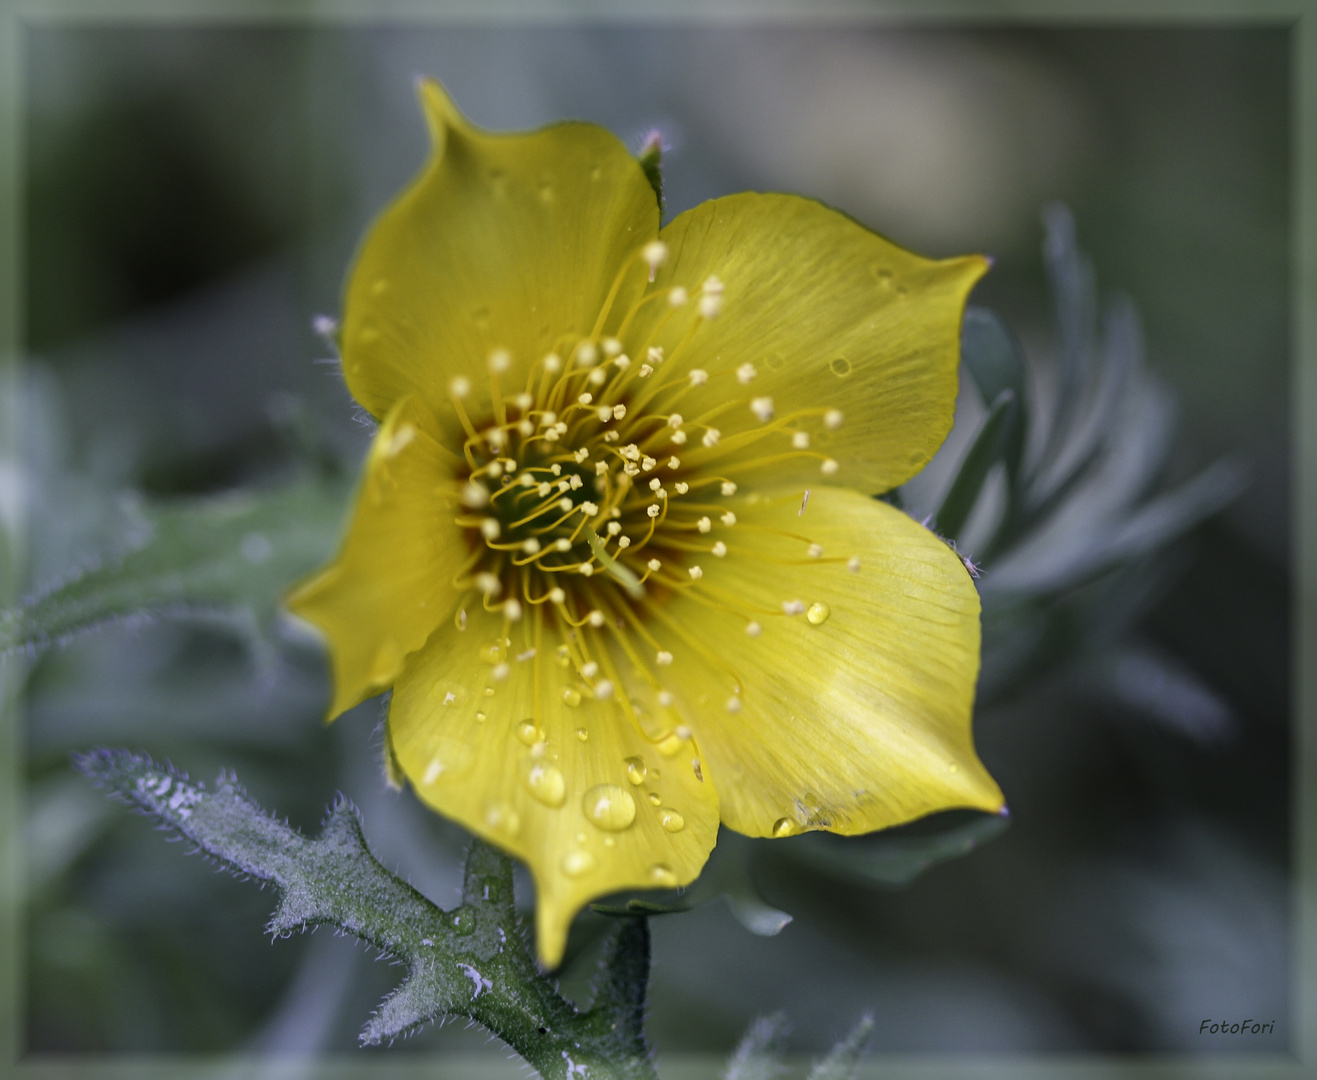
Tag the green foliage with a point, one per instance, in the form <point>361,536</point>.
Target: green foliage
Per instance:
<point>233,555</point>
<point>651,160</point>
<point>470,961</point>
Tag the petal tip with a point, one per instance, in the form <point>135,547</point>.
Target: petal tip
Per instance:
<point>441,115</point>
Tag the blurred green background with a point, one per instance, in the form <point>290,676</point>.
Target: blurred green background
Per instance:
<point>193,199</point>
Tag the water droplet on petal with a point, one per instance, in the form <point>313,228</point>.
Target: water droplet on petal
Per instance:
<point>841,367</point>
<point>583,734</point>
<point>493,652</point>
<point>662,875</point>
<point>480,717</point>
<point>547,784</point>
<point>671,745</point>
<point>672,821</point>
<point>635,770</point>
<point>784,827</point>
<point>577,863</point>
<point>655,798</point>
<point>451,757</point>
<point>609,807</point>
<point>818,614</point>
<point>571,696</point>
<point>528,733</point>
<point>503,819</point>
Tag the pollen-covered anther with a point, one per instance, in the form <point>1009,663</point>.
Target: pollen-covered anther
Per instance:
<point>733,704</point>
<point>586,569</point>
<point>586,354</point>
<point>543,489</point>
<point>654,565</point>
<point>832,419</point>
<point>654,354</point>
<point>589,669</point>
<point>655,254</point>
<point>589,509</point>
<point>622,362</point>
<point>530,546</point>
<point>645,371</point>
<point>829,467</point>
<point>674,462</point>
<point>614,528</point>
<point>696,573</point>
<point>704,524</point>
<point>624,542</point>
<point>698,376</point>
<point>663,658</point>
<point>598,377</point>
<point>719,549</point>
<point>512,609</point>
<point>793,607</point>
<point>523,401</point>
<point>499,361</point>
<point>664,698</point>
<point>490,528</point>
<point>762,407</point>
<point>800,440</point>
<point>497,438</point>
<point>459,386</point>
<point>474,495</point>
<point>677,297</point>
<point>712,286</point>
<point>745,374</point>
<point>488,583</point>
<point>585,398</point>
<point>603,689</point>
<point>500,672</point>
<point>816,551</point>
<point>655,484</point>
<point>728,518</point>
<point>575,482</point>
<point>600,468</point>
<point>653,510</point>
<point>728,487</point>
<point>552,363</point>
<point>711,436</point>
<point>604,413</point>
<point>753,628</point>
<point>596,618</point>
<point>557,595</point>
<point>611,346</point>
<point>853,564</point>
<point>682,487</point>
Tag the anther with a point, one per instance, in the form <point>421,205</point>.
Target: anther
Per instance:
<point>704,524</point>
<point>655,484</point>
<point>525,429</point>
<point>720,549</point>
<point>655,254</point>
<point>490,528</point>
<point>728,487</point>
<point>614,528</point>
<point>753,629</point>
<point>654,354</point>
<point>619,411</point>
<point>523,401</point>
<point>816,551</point>
<point>711,437</point>
<point>590,669</point>
<point>553,363</point>
<point>647,463</point>
<point>762,407</point>
<point>664,698</point>
<point>488,583</point>
<point>652,510</point>
<point>531,546</point>
<point>565,504</point>
<point>603,689</point>
<point>728,518</point>
<point>698,376</point>
<point>853,564</point>
<point>677,297</point>
<point>645,371</point>
<point>475,495</point>
<point>586,398</point>
<point>586,569</point>
<point>500,672</point>
<point>496,437</point>
<point>800,440</point>
<point>575,483</point>
<point>622,362</point>
<point>611,346</point>
<point>829,467</point>
<point>793,607</point>
<point>460,386</point>
<point>674,463</point>
<point>711,306</point>
<point>589,509</point>
<point>678,438</point>
<point>696,573</point>
<point>604,413</point>
<point>556,469</point>
<point>663,658</point>
<point>681,486</point>
<point>832,419</point>
<point>499,361</point>
<point>600,467</point>
<point>557,595</point>
<point>596,618</point>
<point>745,373</point>
<point>512,609</point>
<point>543,489</point>
<point>624,541</point>
<point>598,377</point>
<point>563,544</point>
<point>654,565</point>
<point>586,353</point>
<point>676,420</point>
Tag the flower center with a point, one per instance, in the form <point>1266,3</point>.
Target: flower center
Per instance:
<point>589,499</point>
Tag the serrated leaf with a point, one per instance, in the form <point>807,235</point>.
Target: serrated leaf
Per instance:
<point>237,553</point>
<point>619,989</point>
<point>893,858</point>
<point>995,362</point>
<point>471,961</point>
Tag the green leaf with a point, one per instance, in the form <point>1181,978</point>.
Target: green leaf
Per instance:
<point>636,906</point>
<point>996,363</point>
<point>237,554</point>
<point>470,961</point>
<point>843,1059</point>
<point>998,430</point>
<point>894,857</point>
<point>651,160</point>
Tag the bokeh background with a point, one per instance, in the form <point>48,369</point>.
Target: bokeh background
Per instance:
<point>193,198</point>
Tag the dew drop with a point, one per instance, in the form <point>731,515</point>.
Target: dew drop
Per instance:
<point>503,819</point>
<point>571,696</point>
<point>883,276</point>
<point>528,733</point>
<point>493,652</point>
<point>583,734</point>
<point>655,798</point>
<point>841,367</point>
<point>660,874</point>
<point>489,691</point>
<point>577,863</point>
<point>818,613</point>
<point>953,767</point>
<point>672,821</point>
<point>480,717</point>
<point>562,656</point>
<point>609,807</point>
<point>451,757</point>
<point>783,827</point>
<point>547,784</point>
<point>635,770</point>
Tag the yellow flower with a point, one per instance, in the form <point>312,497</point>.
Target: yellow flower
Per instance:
<point>614,549</point>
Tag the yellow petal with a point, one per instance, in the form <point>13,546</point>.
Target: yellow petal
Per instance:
<point>829,316</point>
<point>853,714</point>
<point>567,782</point>
<point>504,242</point>
<point>391,582</point>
